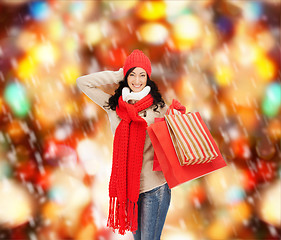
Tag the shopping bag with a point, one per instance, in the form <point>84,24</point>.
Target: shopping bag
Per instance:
<point>156,164</point>
<point>174,173</point>
<point>174,108</point>
<point>191,138</point>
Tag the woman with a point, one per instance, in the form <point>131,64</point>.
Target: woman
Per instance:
<point>139,196</point>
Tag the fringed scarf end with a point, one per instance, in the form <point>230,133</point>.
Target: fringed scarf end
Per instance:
<point>122,217</point>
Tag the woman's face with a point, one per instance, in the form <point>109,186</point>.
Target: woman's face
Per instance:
<point>137,79</point>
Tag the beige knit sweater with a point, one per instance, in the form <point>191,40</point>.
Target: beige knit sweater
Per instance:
<point>89,84</point>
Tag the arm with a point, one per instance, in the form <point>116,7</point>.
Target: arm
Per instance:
<point>89,84</point>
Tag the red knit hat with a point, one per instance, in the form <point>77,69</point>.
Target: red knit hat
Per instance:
<point>137,59</point>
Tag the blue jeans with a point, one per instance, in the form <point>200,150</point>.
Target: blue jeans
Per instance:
<point>152,210</point>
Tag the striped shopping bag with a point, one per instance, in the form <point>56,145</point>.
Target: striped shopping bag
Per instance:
<point>191,137</point>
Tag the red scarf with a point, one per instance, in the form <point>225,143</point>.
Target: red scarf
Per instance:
<point>124,182</point>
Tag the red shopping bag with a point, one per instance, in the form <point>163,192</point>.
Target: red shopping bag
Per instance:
<point>156,164</point>
<point>174,173</point>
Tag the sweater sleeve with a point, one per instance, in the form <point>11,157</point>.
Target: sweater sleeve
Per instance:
<point>89,84</point>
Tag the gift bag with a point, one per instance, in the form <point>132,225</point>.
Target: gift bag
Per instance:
<point>174,173</point>
<point>191,138</point>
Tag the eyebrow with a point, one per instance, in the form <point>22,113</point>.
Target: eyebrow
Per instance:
<point>135,73</point>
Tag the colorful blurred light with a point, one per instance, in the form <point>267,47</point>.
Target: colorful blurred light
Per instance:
<point>76,7</point>
<point>5,170</point>
<point>224,25</point>
<point>153,33</point>
<point>248,117</point>
<point>43,178</point>
<point>65,157</point>
<point>179,235</point>
<point>241,148</point>
<point>249,179</point>
<point>71,46</point>
<point>16,204</point>
<point>70,193</point>
<point>176,8</point>
<point>70,74</point>
<point>274,129</point>
<point>272,100</point>
<point>70,108</point>
<point>265,40</point>
<point>240,212</point>
<point>55,28</point>
<point>93,33</point>
<point>235,194</point>
<point>39,10</point>
<point>151,10</point>
<point>186,31</point>
<point>57,194</point>
<point>50,212</point>
<point>49,112</point>
<point>1,104</point>
<point>16,96</point>
<point>252,10</point>
<point>86,231</point>
<point>225,183</point>
<point>26,170</point>
<point>198,195</point>
<point>26,40</point>
<point>16,131</point>
<point>224,75</point>
<point>120,8</point>
<point>220,228</point>
<point>269,206</point>
<point>46,54</point>
<point>265,68</point>
<point>27,68</point>
<point>187,27</point>
<point>90,155</point>
<point>89,110</point>
<point>112,57</point>
<point>265,148</point>
<point>63,132</point>
<point>266,170</point>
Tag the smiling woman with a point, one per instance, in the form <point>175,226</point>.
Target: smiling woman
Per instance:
<point>139,196</point>
<point>137,79</point>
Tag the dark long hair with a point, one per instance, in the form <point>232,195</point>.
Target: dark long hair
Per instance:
<point>157,98</point>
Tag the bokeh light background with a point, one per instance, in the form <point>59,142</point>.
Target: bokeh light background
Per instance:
<point>221,58</point>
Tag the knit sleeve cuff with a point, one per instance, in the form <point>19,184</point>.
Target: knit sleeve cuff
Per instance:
<point>119,75</point>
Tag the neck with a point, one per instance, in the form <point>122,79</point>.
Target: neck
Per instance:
<point>127,95</point>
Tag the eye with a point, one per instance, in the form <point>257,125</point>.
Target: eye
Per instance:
<point>142,75</point>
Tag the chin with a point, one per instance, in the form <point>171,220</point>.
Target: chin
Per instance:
<point>137,90</point>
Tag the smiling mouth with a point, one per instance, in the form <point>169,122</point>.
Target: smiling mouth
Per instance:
<point>137,86</point>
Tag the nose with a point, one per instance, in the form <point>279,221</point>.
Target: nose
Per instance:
<point>137,79</point>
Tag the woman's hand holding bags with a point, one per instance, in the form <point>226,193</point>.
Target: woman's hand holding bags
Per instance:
<point>184,148</point>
